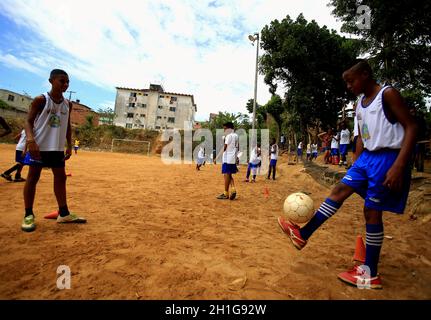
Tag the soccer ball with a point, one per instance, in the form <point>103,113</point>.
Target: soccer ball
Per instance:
<point>298,208</point>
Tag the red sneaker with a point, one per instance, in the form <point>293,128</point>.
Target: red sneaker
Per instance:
<point>359,277</point>
<point>292,230</point>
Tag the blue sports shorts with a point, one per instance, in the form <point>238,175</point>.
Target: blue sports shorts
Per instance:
<point>227,168</point>
<point>273,162</point>
<point>343,149</point>
<point>334,152</point>
<point>367,175</point>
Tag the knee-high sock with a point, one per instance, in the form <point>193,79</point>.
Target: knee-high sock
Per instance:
<point>374,243</point>
<point>327,209</point>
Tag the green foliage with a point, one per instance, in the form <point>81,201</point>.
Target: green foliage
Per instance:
<point>309,61</point>
<point>4,105</point>
<point>398,40</point>
<point>106,115</point>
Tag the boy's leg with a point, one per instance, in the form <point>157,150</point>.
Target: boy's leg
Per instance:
<point>273,172</point>
<point>28,223</point>
<point>374,238</point>
<point>30,187</point>
<point>248,172</point>
<point>327,209</point>
<point>60,190</point>
<point>233,189</point>
<point>12,169</point>
<point>269,171</point>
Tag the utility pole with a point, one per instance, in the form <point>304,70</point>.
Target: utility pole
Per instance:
<point>70,94</point>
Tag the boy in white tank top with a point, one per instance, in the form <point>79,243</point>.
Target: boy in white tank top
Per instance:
<point>381,174</point>
<point>46,131</point>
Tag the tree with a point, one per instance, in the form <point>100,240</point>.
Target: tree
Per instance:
<point>107,115</point>
<point>260,113</point>
<point>398,40</point>
<point>309,61</point>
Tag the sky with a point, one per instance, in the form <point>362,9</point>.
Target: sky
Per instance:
<point>192,47</point>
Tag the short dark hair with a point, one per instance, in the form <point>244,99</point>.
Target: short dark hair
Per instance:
<point>228,125</point>
<point>57,72</point>
<point>361,65</point>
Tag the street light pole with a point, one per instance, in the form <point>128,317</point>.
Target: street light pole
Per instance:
<point>254,38</point>
<point>70,94</point>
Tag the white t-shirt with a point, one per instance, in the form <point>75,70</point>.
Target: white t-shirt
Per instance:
<point>345,136</point>
<point>308,148</point>
<point>300,145</point>
<point>274,152</point>
<point>21,143</point>
<point>314,148</point>
<point>254,158</point>
<point>376,130</point>
<point>229,156</point>
<point>201,154</point>
<point>334,142</point>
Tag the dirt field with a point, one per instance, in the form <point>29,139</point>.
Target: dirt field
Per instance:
<point>157,232</point>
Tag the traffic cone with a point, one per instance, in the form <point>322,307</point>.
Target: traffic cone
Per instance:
<point>69,174</point>
<point>266,192</point>
<point>52,215</point>
<point>359,250</point>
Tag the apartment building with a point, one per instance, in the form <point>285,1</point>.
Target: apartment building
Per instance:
<point>153,109</point>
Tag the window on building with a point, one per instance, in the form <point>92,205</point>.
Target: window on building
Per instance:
<point>162,96</point>
<point>159,117</point>
<point>10,98</point>
<point>144,105</point>
<point>171,120</point>
<point>142,115</point>
<point>133,94</point>
<point>128,125</point>
<point>160,107</point>
<point>173,99</point>
<point>172,109</point>
<point>157,127</point>
<point>145,94</point>
<point>130,115</point>
<point>131,105</point>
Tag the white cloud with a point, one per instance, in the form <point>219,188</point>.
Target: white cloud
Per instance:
<point>188,46</point>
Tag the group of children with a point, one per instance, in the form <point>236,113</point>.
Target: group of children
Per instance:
<point>386,136</point>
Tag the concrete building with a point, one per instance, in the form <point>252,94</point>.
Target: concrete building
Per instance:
<point>19,104</point>
<point>153,109</point>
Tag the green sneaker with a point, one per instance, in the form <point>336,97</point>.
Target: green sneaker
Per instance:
<point>71,218</point>
<point>28,224</point>
<point>222,196</point>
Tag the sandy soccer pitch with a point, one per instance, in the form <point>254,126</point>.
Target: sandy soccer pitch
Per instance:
<point>157,231</point>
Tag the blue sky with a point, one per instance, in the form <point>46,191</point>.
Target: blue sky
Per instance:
<point>193,47</point>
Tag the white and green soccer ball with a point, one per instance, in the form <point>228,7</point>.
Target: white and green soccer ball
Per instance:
<point>298,208</point>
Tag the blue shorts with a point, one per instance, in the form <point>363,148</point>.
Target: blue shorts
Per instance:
<point>299,152</point>
<point>227,168</point>
<point>253,165</point>
<point>367,175</point>
<point>273,162</point>
<point>50,159</point>
<point>343,149</point>
<point>314,155</point>
<point>19,156</point>
<point>334,152</point>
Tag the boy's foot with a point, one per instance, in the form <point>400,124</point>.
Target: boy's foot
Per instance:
<point>253,180</point>
<point>246,180</point>
<point>28,224</point>
<point>18,179</point>
<point>6,176</point>
<point>222,196</point>
<point>232,195</point>
<point>358,277</point>
<point>71,218</point>
<point>292,231</point>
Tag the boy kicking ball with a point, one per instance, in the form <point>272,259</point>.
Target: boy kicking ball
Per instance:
<point>381,174</point>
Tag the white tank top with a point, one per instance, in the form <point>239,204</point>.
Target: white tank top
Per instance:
<point>50,125</point>
<point>376,130</point>
<point>21,143</point>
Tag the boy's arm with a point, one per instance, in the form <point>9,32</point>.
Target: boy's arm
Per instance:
<point>69,135</point>
<point>35,108</point>
<point>5,126</point>
<point>398,110</point>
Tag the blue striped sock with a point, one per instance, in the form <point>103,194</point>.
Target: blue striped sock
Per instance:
<point>326,210</point>
<point>374,243</point>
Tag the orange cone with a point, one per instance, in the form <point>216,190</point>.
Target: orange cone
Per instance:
<point>52,215</point>
<point>359,250</point>
<point>69,174</point>
<point>266,192</point>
